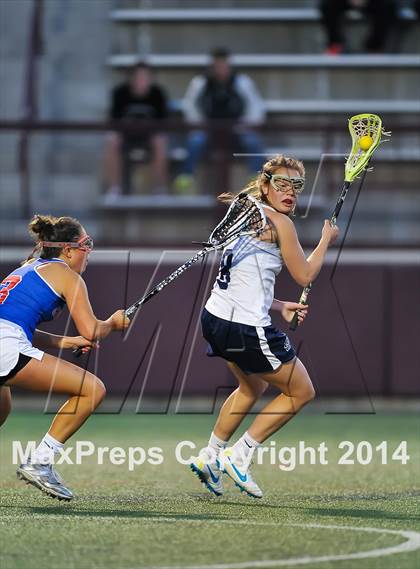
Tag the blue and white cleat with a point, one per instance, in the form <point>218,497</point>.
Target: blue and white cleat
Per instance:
<point>45,478</point>
<point>239,473</point>
<point>208,473</point>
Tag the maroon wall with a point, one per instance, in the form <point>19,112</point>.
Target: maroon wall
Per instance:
<point>362,335</point>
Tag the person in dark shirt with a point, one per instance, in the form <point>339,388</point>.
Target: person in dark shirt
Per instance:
<point>138,99</point>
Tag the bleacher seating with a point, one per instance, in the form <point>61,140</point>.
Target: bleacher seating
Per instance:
<point>331,107</point>
<point>302,14</point>
<point>279,44</point>
<point>287,29</point>
<point>268,60</point>
<point>287,63</point>
<point>216,15</point>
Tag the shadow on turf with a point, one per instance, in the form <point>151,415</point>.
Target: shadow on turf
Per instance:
<point>66,511</point>
<point>354,513</point>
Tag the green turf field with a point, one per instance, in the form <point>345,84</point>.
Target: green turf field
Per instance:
<point>160,516</point>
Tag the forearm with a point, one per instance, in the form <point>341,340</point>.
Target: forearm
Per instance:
<point>45,340</point>
<point>277,304</point>
<point>316,259</point>
<point>98,330</point>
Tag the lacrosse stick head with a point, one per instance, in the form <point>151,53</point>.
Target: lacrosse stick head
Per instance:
<point>366,134</point>
<point>245,216</point>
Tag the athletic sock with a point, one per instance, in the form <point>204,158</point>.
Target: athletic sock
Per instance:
<point>214,446</point>
<point>46,450</point>
<point>244,448</point>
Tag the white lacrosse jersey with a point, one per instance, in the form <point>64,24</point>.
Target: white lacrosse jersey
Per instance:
<point>244,288</point>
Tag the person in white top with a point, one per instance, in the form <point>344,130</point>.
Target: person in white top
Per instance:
<point>237,325</point>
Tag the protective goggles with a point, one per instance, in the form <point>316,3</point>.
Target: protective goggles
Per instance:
<point>85,243</point>
<point>283,183</point>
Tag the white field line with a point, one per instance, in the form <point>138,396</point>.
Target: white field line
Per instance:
<point>412,542</point>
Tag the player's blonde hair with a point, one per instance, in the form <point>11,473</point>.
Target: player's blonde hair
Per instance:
<point>255,186</point>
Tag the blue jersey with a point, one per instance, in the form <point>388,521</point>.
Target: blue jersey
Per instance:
<point>26,299</point>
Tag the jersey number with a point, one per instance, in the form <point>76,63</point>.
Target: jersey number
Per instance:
<point>223,278</point>
<point>7,285</point>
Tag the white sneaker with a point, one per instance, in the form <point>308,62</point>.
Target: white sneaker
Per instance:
<point>208,473</point>
<point>44,477</point>
<point>239,473</point>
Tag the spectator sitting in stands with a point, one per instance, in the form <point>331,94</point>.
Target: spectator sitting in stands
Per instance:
<point>220,94</point>
<point>381,14</point>
<point>137,99</point>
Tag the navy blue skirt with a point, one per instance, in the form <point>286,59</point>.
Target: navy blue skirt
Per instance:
<point>254,349</point>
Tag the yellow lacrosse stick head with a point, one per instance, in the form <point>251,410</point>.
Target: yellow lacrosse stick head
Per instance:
<point>366,132</point>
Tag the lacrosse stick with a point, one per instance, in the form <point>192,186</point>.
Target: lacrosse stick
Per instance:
<point>366,132</point>
<point>245,216</point>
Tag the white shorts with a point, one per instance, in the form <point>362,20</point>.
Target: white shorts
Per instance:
<point>13,341</point>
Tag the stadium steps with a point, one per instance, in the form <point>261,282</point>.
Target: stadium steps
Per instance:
<point>55,193</point>
<point>143,224</point>
<point>270,60</point>
<point>82,160</point>
<point>388,153</point>
<point>290,29</point>
<point>331,106</point>
<point>234,15</point>
<point>215,15</point>
<point>171,202</point>
<point>386,77</point>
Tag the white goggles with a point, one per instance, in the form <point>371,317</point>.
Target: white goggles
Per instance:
<point>282,183</point>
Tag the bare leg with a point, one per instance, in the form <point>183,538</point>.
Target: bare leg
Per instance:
<point>239,403</point>
<point>297,390</point>
<point>159,146</point>
<point>5,403</point>
<point>112,163</point>
<point>58,376</point>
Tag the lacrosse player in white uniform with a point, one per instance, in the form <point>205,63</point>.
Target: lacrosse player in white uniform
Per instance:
<point>237,326</point>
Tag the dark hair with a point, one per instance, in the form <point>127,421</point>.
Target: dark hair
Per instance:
<point>220,52</point>
<point>140,66</point>
<point>50,228</point>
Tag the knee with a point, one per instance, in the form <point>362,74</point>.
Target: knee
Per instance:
<point>5,412</point>
<point>94,390</point>
<point>99,391</point>
<point>5,404</point>
<point>3,417</point>
<point>308,394</point>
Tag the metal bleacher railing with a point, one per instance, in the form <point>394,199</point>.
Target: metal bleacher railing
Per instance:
<point>328,129</point>
<point>298,14</point>
<point>274,60</point>
<point>215,15</point>
<point>321,104</point>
